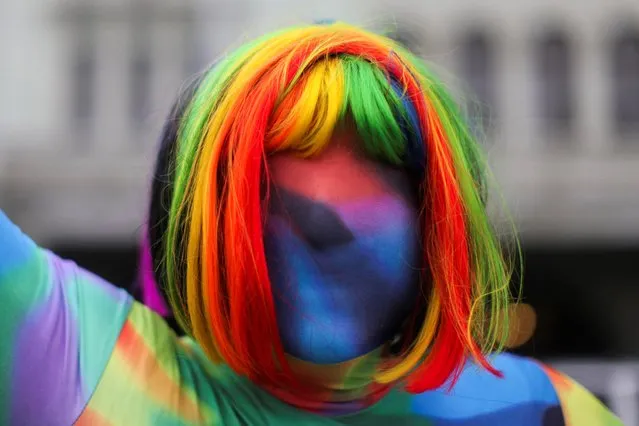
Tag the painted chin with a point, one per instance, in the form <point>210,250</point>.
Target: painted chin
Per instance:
<point>338,304</point>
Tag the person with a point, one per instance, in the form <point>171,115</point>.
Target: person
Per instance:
<point>318,230</point>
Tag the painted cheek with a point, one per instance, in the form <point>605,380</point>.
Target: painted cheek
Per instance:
<point>387,231</point>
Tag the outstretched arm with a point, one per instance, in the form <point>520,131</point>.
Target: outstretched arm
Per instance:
<point>58,326</point>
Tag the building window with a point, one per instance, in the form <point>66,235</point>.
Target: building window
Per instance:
<point>140,72</point>
<point>140,84</point>
<point>195,60</point>
<point>478,72</point>
<point>83,77</point>
<point>555,83</point>
<point>625,81</point>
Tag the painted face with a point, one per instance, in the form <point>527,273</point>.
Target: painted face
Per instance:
<point>342,246</point>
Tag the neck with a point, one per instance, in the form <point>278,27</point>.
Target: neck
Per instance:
<point>335,389</point>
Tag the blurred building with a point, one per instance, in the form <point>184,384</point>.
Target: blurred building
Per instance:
<point>89,84</point>
<point>557,85</point>
<point>86,85</point>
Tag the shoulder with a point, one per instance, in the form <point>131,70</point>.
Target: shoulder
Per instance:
<point>155,377</point>
<point>523,396</point>
<point>529,394</point>
<point>152,377</point>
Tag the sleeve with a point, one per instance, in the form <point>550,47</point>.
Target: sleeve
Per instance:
<point>579,406</point>
<point>58,326</point>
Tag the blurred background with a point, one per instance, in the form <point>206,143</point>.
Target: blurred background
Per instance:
<point>86,84</point>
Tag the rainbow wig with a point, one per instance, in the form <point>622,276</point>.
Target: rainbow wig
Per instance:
<point>288,91</point>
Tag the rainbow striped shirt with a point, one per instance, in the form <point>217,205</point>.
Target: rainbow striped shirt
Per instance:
<point>76,350</point>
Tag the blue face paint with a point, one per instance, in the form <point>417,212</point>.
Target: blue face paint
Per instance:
<point>344,276</point>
